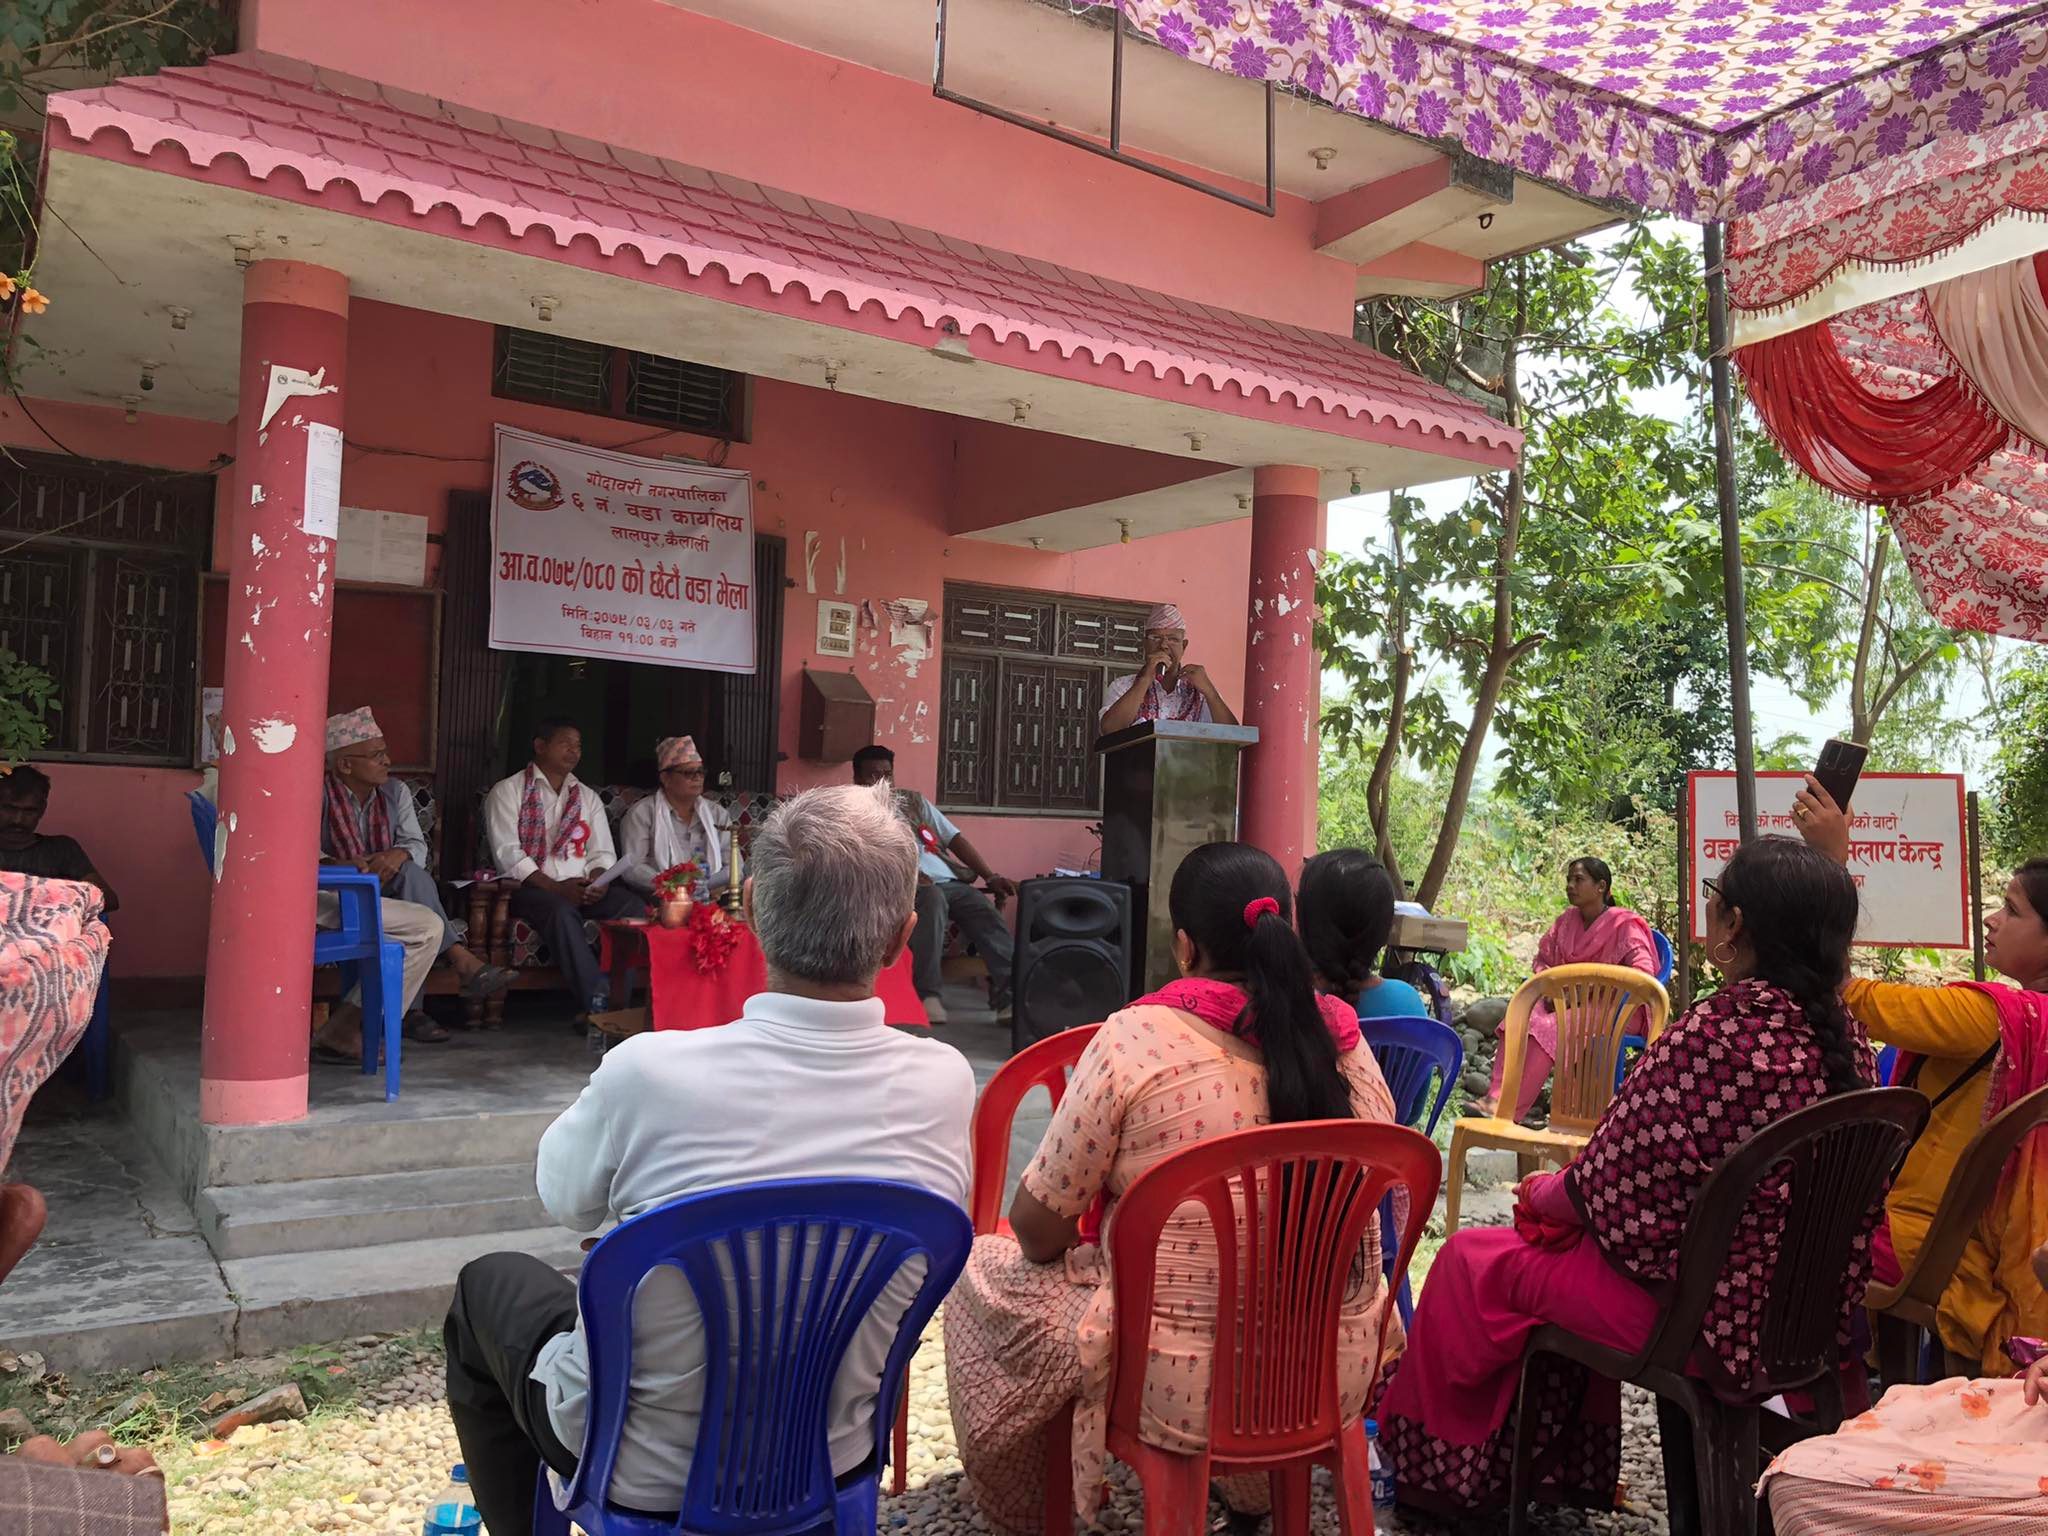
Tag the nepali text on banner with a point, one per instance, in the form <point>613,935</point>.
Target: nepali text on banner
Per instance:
<point>611,555</point>
<point>1907,852</point>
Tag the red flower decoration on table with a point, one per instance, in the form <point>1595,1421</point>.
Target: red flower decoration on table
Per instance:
<point>713,938</point>
<point>677,880</point>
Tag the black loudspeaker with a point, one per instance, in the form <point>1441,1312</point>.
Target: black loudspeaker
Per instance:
<point>1073,955</point>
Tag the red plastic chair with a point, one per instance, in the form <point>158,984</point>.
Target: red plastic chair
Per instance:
<point>1044,1064</point>
<point>1289,1205</point>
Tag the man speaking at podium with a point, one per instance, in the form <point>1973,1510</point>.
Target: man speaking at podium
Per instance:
<point>1164,687</point>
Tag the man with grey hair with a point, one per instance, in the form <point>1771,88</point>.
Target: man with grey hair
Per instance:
<point>808,1082</point>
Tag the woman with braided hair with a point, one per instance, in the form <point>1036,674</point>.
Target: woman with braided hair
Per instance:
<point>1975,1049</point>
<point>1592,1246</point>
<point>1241,1039</point>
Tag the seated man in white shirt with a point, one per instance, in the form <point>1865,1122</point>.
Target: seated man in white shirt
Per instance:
<point>809,1082</point>
<point>678,824</point>
<point>548,831</point>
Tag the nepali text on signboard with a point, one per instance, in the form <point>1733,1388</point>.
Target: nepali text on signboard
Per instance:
<point>1907,852</point>
<point>611,555</point>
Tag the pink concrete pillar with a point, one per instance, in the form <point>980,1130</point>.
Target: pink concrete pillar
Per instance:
<point>252,1056</point>
<point>1282,673</point>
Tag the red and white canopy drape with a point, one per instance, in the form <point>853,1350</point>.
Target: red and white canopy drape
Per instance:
<point>1893,333</point>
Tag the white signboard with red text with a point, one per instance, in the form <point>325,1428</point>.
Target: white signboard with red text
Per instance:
<point>612,555</point>
<point>1907,852</point>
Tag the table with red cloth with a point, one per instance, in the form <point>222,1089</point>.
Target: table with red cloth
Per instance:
<point>682,997</point>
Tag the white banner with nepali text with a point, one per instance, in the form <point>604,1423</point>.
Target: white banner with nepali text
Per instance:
<point>1908,852</point>
<point>613,555</point>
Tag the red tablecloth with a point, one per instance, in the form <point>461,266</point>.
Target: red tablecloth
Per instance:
<point>680,997</point>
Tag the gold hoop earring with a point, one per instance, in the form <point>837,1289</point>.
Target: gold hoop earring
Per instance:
<point>1715,955</point>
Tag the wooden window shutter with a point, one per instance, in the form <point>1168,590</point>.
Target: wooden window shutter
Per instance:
<point>967,730</point>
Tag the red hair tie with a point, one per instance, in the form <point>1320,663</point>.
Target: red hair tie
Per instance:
<point>1254,910</point>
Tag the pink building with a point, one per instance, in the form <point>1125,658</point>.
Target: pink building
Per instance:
<point>995,391</point>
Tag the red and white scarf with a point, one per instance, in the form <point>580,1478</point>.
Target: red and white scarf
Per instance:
<point>349,844</point>
<point>572,832</point>
<point>1181,702</point>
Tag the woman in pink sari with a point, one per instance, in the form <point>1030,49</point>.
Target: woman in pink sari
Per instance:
<point>1592,1246</point>
<point>1592,931</point>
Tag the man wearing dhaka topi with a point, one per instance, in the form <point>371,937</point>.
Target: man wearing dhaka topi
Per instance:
<point>1164,687</point>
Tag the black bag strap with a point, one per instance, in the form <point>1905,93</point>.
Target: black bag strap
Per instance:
<point>1962,1078</point>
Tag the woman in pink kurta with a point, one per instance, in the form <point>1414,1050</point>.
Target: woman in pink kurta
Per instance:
<point>1240,1041</point>
<point>1591,931</point>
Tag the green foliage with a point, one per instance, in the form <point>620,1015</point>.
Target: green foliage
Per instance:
<point>2017,825</point>
<point>1827,574</point>
<point>1620,684</point>
<point>1508,880</point>
<point>28,695</point>
<point>39,38</point>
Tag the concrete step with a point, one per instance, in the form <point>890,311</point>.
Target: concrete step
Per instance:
<point>243,1221</point>
<point>289,1299</point>
<point>478,1101</point>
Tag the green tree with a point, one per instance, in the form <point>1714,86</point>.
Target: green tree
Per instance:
<point>1569,606</point>
<point>2017,827</point>
<point>1851,621</point>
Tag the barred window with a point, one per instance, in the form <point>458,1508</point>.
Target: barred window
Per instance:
<point>549,369</point>
<point>99,588</point>
<point>1021,682</point>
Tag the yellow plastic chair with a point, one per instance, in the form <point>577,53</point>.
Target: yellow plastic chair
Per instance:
<point>1594,1004</point>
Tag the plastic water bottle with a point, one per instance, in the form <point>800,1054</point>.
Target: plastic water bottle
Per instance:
<point>454,1513</point>
<point>1381,1470</point>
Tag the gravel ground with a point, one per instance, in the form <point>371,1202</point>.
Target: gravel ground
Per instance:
<point>373,1465</point>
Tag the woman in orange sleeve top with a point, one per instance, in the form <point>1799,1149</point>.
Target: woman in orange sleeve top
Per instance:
<point>1974,1049</point>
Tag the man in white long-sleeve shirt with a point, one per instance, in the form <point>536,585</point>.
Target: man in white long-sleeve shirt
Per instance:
<point>547,830</point>
<point>808,1083</point>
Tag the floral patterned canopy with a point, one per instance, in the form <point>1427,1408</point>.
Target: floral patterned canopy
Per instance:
<point>1700,108</point>
<point>1892,327</point>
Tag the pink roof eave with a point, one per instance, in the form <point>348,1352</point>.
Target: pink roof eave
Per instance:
<point>285,131</point>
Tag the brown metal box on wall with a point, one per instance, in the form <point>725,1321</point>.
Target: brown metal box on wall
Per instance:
<point>837,718</point>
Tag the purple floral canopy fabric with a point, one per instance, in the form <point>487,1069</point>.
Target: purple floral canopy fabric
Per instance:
<point>1700,108</point>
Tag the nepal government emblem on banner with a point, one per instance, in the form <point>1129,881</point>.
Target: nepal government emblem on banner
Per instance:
<point>533,485</point>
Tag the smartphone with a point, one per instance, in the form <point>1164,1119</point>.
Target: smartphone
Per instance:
<point>1840,766</point>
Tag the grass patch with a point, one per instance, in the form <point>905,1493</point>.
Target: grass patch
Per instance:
<point>174,1403</point>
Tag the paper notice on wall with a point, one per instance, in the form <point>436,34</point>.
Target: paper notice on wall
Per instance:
<point>322,515</point>
<point>212,711</point>
<point>389,547</point>
<point>910,627</point>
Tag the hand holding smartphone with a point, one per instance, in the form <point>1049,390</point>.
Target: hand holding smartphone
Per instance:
<point>1840,766</point>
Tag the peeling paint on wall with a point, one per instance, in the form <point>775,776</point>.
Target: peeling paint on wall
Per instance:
<point>227,738</point>
<point>274,736</point>
<point>813,542</point>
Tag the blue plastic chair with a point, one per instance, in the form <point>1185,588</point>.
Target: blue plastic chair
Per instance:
<point>358,946</point>
<point>1420,1059</point>
<point>772,1349</point>
<point>1633,1045</point>
<point>96,1049</point>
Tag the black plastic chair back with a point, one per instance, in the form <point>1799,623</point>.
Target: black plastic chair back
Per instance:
<point>1837,1159</point>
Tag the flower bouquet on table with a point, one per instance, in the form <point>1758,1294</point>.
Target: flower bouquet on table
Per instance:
<point>674,890</point>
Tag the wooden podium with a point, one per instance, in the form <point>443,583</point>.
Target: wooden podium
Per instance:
<point>1168,786</point>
